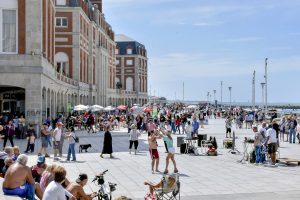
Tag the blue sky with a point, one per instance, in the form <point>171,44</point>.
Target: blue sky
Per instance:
<point>201,42</point>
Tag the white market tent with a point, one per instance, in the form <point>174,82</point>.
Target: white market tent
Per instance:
<point>192,107</point>
<point>81,108</point>
<point>109,108</point>
<point>96,108</point>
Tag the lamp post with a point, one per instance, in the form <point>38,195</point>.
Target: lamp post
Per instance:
<point>266,82</point>
<point>262,95</point>
<point>207,97</point>
<point>221,93</point>
<point>230,95</point>
<point>215,95</point>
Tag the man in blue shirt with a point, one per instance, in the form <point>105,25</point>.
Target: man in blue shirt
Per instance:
<point>195,125</point>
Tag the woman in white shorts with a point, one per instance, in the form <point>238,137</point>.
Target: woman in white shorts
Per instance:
<point>171,151</point>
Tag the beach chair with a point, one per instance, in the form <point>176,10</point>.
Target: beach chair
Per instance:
<point>168,192</point>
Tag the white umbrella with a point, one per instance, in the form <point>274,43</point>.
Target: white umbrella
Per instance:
<point>192,107</point>
<point>96,108</point>
<point>81,108</point>
<point>109,108</point>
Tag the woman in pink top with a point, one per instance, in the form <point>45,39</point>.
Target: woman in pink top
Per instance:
<point>47,177</point>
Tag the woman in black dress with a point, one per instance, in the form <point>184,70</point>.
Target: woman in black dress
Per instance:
<point>107,143</point>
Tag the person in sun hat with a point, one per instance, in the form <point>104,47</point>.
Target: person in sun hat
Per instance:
<point>39,168</point>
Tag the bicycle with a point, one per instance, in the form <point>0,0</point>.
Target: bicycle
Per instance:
<point>105,191</point>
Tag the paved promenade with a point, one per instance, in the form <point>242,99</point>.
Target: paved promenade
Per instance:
<point>202,177</point>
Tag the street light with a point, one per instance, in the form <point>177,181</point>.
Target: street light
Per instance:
<point>230,95</point>
<point>262,94</point>
<point>207,97</point>
<point>266,81</point>
<point>215,95</point>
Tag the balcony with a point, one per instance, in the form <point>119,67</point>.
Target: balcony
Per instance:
<point>66,79</point>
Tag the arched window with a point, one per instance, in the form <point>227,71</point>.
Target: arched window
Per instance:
<point>129,84</point>
<point>62,63</point>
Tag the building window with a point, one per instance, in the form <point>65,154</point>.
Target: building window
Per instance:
<point>8,33</point>
<point>129,62</point>
<point>62,63</point>
<point>61,2</point>
<point>61,22</point>
<point>117,61</point>
<point>129,51</point>
<point>116,51</point>
<point>129,84</point>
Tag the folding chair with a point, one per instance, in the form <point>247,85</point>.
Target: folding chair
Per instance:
<point>166,192</point>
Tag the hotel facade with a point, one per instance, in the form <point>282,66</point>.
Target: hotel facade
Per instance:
<point>55,54</point>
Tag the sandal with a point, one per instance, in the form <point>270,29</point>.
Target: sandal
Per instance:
<point>166,171</point>
<point>175,170</point>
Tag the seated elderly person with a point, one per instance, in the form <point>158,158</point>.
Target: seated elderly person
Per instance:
<point>8,162</point>
<point>7,153</point>
<point>166,184</point>
<point>18,180</point>
<point>76,189</point>
<point>39,168</point>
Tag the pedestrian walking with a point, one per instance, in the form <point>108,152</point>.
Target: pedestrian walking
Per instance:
<point>30,136</point>
<point>9,133</point>
<point>71,139</point>
<point>57,135</point>
<point>134,138</point>
<point>44,140</point>
<point>107,143</point>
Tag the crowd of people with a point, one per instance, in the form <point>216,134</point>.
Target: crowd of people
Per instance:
<point>43,180</point>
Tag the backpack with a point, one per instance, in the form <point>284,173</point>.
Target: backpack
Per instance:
<point>252,157</point>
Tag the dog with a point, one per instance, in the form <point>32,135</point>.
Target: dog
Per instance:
<point>84,147</point>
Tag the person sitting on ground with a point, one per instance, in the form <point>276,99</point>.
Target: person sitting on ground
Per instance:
<point>8,162</point>
<point>76,189</point>
<point>39,168</point>
<point>18,180</point>
<point>47,177</point>
<point>55,190</point>
<point>16,153</point>
<point>165,184</point>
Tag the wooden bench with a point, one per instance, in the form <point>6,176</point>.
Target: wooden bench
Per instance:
<point>6,197</point>
<point>289,161</point>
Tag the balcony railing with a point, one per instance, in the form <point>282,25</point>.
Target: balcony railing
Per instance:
<point>66,79</point>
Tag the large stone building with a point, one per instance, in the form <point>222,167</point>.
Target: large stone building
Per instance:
<point>55,54</point>
<point>132,70</point>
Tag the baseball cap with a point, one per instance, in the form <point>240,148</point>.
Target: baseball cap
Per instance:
<point>81,177</point>
<point>41,159</point>
<point>254,126</point>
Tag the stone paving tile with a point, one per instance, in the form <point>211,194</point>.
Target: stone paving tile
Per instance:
<point>202,177</point>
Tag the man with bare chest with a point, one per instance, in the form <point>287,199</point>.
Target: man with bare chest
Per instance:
<point>76,189</point>
<point>18,180</point>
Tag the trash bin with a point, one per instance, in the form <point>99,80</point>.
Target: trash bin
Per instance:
<point>200,138</point>
<point>180,140</point>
